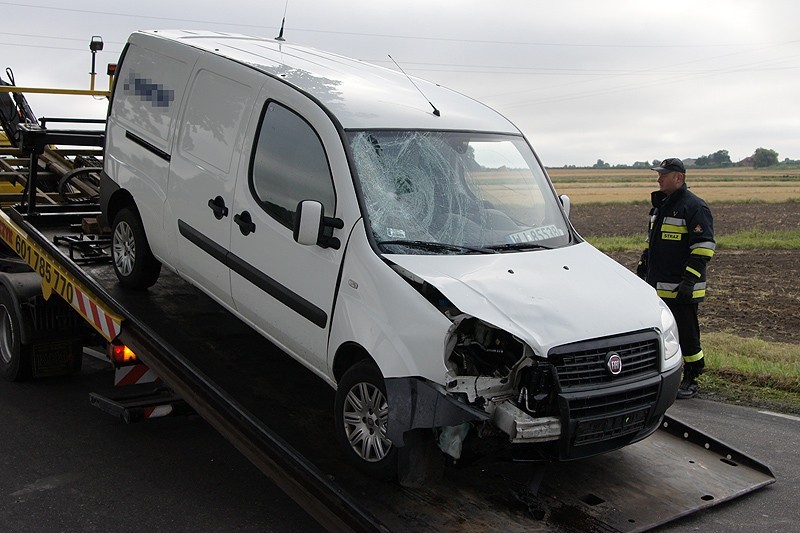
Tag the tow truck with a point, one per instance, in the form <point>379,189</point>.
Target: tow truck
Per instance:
<point>173,350</point>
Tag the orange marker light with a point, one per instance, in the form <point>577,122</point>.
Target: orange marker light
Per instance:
<point>121,354</point>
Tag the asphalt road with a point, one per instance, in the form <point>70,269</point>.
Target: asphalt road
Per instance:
<point>65,466</point>
<point>771,438</point>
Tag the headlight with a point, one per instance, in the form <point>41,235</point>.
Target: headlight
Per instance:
<point>669,331</point>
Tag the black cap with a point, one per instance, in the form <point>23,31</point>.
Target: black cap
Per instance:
<point>673,164</point>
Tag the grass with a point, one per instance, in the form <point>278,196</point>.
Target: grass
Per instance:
<point>744,240</point>
<point>751,371</point>
<point>754,362</point>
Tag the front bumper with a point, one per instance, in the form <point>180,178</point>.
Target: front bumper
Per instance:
<point>592,421</point>
<point>606,419</point>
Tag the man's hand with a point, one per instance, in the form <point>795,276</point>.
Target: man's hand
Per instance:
<point>685,289</point>
<point>641,267</point>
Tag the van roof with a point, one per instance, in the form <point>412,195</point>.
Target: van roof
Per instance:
<point>359,94</point>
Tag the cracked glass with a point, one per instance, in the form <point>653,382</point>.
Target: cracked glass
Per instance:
<point>451,192</point>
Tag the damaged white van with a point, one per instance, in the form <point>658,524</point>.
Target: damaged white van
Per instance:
<point>408,249</point>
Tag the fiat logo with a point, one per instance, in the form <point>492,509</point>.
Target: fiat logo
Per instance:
<point>614,363</point>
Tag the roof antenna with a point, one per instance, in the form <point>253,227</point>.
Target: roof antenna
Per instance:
<point>435,111</point>
<point>283,22</point>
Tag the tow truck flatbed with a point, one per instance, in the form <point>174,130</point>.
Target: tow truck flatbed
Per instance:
<point>276,413</point>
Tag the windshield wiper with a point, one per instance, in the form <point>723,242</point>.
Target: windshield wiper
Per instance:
<point>520,246</point>
<point>438,246</point>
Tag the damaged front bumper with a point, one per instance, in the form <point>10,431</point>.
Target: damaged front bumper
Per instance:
<point>589,422</point>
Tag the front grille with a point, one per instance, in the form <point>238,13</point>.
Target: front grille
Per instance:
<point>584,363</point>
<point>606,417</point>
<point>592,431</point>
<point>607,404</point>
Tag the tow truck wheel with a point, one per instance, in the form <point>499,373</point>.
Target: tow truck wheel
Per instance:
<point>362,416</point>
<point>134,263</point>
<point>15,357</point>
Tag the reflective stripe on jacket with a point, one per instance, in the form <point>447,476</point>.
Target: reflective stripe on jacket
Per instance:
<point>680,242</point>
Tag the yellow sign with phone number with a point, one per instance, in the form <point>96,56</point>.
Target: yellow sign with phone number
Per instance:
<point>55,278</point>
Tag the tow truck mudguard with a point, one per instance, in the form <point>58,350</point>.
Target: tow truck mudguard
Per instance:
<point>107,189</point>
<point>22,287</point>
<point>417,403</point>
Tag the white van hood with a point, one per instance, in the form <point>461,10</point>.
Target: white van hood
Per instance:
<point>544,297</point>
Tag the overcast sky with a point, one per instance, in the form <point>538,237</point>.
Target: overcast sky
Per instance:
<point>618,80</point>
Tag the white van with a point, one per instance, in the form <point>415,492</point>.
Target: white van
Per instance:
<point>402,242</point>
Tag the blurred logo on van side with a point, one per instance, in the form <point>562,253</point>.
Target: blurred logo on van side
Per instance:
<point>145,89</point>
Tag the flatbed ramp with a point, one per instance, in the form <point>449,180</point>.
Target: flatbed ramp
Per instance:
<point>279,415</point>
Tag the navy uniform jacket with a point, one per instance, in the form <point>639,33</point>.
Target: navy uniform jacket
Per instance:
<point>680,243</point>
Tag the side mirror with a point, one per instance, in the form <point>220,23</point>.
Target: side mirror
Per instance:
<point>310,225</point>
<point>308,222</point>
<point>565,203</point>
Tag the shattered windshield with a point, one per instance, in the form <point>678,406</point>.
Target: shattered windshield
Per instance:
<point>447,192</point>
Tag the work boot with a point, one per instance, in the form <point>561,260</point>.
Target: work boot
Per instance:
<point>688,386</point>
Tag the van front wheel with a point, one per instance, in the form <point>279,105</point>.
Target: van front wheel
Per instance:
<point>362,417</point>
<point>134,263</point>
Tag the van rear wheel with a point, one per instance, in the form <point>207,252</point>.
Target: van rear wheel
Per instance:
<point>362,417</point>
<point>135,265</point>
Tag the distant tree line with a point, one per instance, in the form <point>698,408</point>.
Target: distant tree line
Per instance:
<point>762,157</point>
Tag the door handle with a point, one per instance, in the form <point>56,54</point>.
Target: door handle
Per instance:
<point>245,223</point>
<point>217,205</point>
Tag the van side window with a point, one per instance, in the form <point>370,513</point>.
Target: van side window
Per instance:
<point>146,102</point>
<point>209,133</point>
<point>289,165</point>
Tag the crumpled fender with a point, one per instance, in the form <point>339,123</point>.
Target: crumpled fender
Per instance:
<point>417,403</point>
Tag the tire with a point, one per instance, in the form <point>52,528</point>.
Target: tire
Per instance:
<point>362,416</point>
<point>15,357</point>
<point>135,265</point>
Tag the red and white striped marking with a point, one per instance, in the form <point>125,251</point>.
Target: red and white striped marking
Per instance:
<point>158,411</point>
<point>96,316</point>
<point>134,375</point>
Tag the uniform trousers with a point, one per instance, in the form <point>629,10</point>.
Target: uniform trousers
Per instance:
<point>688,332</point>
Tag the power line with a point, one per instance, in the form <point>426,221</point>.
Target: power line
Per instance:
<point>642,85</point>
<point>534,71</point>
<point>85,49</point>
<point>40,37</point>
<point>384,36</point>
<point>655,70</point>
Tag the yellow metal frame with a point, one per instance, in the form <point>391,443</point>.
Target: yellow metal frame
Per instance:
<point>55,278</point>
<point>44,90</point>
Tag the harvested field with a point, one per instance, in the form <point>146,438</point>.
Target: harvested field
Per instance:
<point>774,185</point>
<point>751,293</point>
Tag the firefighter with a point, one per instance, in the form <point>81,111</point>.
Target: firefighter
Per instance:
<point>680,243</point>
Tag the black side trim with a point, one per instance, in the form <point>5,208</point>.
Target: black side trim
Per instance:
<point>287,297</point>
<point>204,243</point>
<point>147,146</point>
<point>278,291</point>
